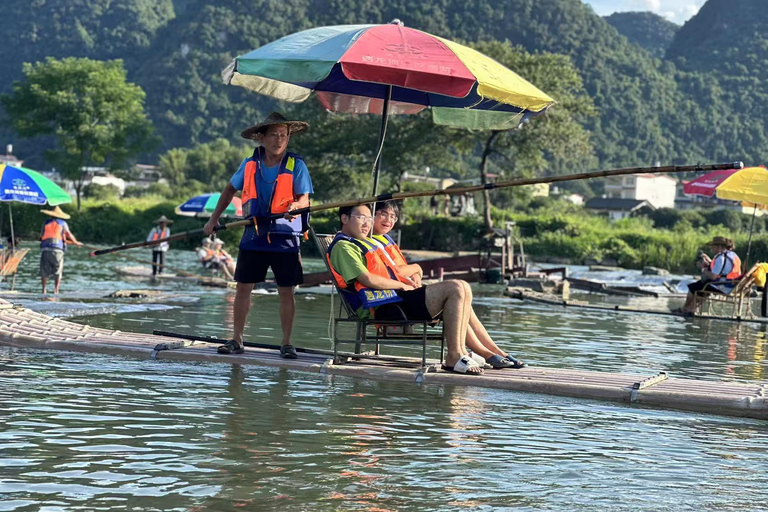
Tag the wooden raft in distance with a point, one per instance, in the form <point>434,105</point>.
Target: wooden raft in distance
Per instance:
<point>23,328</point>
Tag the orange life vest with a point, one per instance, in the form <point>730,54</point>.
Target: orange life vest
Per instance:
<point>392,249</point>
<point>374,263</point>
<point>157,234</point>
<point>282,193</point>
<point>53,235</point>
<point>209,254</point>
<point>735,272</point>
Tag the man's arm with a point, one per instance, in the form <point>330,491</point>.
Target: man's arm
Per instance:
<point>717,269</point>
<point>382,283</point>
<point>224,200</point>
<point>69,236</point>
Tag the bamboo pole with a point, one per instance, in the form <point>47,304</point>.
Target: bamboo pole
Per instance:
<point>446,191</point>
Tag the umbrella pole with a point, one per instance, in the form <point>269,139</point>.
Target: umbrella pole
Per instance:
<point>13,238</point>
<point>749,241</point>
<point>382,134</point>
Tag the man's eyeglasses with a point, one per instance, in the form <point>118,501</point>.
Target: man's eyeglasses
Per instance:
<point>361,218</point>
<point>384,215</point>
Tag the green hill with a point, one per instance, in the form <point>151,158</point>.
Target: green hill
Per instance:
<point>645,29</point>
<point>649,110</point>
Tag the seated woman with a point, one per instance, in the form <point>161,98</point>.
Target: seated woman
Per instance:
<point>718,274</point>
<point>478,340</point>
<point>226,261</point>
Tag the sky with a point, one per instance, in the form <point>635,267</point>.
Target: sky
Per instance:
<point>678,11</point>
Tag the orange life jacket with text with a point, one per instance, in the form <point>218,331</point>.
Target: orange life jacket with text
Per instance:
<point>282,194</point>
<point>375,264</point>
<point>53,235</point>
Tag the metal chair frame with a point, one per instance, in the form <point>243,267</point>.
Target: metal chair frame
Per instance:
<point>739,298</point>
<point>414,333</point>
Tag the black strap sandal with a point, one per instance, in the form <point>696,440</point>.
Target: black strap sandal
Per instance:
<point>231,347</point>
<point>288,352</point>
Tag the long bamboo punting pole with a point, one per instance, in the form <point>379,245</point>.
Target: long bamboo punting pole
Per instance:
<point>449,192</point>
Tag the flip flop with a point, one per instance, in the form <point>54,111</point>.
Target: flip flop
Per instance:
<point>516,363</point>
<point>463,365</point>
<point>231,347</point>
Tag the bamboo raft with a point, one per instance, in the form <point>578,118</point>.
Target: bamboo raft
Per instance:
<point>23,328</point>
<point>554,300</point>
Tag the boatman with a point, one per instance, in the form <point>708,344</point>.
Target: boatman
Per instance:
<point>160,231</point>
<point>53,242</point>
<point>371,286</point>
<point>273,181</point>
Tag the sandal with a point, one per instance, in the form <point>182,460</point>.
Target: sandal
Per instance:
<point>480,360</point>
<point>497,362</point>
<point>516,363</point>
<point>463,365</point>
<point>231,347</point>
<point>288,352</point>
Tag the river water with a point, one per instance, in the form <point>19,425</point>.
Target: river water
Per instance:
<point>94,432</point>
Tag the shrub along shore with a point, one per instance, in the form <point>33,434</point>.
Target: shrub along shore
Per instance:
<point>669,239</point>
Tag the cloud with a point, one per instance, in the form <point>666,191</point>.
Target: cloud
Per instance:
<point>678,11</point>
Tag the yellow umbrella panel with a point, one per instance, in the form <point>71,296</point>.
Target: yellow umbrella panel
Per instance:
<point>750,185</point>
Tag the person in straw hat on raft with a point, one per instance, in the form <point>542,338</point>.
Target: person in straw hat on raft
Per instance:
<point>53,242</point>
<point>158,251</point>
<point>273,181</point>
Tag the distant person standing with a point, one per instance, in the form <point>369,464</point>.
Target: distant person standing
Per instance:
<point>158,251</point>
<point>53,243</point>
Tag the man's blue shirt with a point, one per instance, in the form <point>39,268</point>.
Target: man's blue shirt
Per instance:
<point>265,181</point>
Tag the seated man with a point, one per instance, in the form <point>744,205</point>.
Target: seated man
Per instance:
<point>718,274</point>
<point>371,287</point>
<point>478,340</point>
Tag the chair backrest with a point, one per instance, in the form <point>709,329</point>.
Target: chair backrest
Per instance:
<point>12,263</point>
<point>745,282</point>
<point>323,242</point>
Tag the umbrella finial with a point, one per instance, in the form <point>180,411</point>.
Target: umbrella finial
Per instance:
<point>397,22</point>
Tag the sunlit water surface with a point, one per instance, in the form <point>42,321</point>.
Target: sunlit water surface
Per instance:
<point>93,432</point>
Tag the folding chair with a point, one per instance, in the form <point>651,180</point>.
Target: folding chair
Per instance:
<point>11,264</point>
<point>739,298</point>
<point>369,331</point>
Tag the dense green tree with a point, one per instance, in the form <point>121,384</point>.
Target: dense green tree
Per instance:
<point>210,164</point>
<point>550,143</point>
<point>95,115</point>
<point>646,29</point>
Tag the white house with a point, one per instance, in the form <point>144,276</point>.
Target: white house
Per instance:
<point>617,208</point>
<point>9,158</point>
<point>658,190</point>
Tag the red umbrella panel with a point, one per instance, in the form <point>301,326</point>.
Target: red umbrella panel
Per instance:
<point>707,184</point>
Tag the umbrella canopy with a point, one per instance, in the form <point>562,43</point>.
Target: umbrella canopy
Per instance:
<point>204,205</point>
<point>750,184</point>
<point>706,184</point>
<point>359,68</point>
<point>28,186</point>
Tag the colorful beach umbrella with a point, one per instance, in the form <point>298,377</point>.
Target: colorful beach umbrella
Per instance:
<point>750,185</point>
<point>204,205</point>
<point>28,186</point>
<point>390,69</point>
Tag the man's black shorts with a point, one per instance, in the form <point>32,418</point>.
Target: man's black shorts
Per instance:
<point>252,267</point>
<point>413,305</point>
